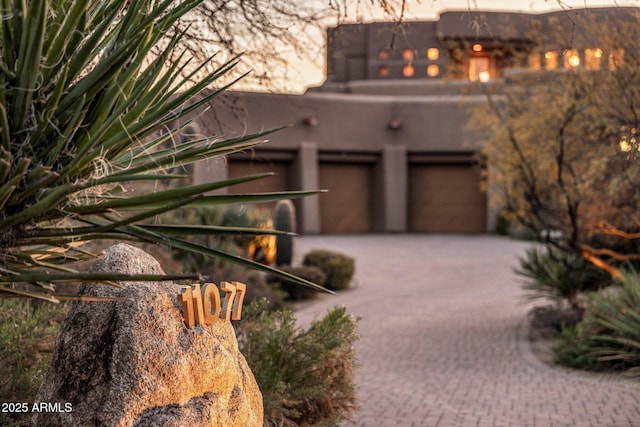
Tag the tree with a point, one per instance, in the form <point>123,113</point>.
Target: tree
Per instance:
<point>82,106</point>
<point>271,34</point>
<point>562,147</point>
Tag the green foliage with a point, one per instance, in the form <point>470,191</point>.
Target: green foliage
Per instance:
<point>292,290</point>
<point>27,337</point>
<point>609,336</point>
<point>92,95</point>
<point>559,276</point>
<point>284,219</point>
<point>574,349</point>
<point>562,146</point>
<point>306,376</point>
<point>339,268</point>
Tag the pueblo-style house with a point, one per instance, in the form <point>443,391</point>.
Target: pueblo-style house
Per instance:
<point>387,132</point>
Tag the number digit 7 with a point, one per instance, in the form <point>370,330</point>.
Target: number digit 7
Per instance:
<point>237,304</point>
<point>230,289</point>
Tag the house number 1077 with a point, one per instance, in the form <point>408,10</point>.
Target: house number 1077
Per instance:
<point>202,307</point>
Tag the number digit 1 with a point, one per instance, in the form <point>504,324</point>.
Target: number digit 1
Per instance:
<point>237,304</point>
<point>186,298</point>
<point>197,305</point>
<point>230,289</point>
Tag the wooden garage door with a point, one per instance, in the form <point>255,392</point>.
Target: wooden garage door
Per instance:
<point>446,199</point>
<point>278,182</point>
<point>346,208</point>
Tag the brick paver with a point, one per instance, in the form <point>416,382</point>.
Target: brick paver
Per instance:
<point>443,339</point>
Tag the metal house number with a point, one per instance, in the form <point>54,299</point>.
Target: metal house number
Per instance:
<point>202,307</point>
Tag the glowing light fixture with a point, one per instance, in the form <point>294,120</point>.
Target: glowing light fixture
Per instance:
<point>593,58</point>
<point>551,60</point>
<point>408,70</point>
<point>477,47</point>
<point>571,58</point>
<point>433,70</point>
<point>433,53</point>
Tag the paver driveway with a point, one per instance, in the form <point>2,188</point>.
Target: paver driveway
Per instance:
<point>443,340</point>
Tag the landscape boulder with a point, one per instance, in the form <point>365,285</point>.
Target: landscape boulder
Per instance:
<point>135,363</point>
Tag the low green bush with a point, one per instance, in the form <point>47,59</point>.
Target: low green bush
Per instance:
<point>609,336</point>
<point>559,276</point>
<point>338,268</point>
<point>295,291</point>
<point>305,375</point>
<point>574,349</point>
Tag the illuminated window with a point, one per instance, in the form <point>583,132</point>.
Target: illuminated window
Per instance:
<point>534,61</point>
<point>592,58</point>
<point>616,58</point>
<point>433,53</point>
<point>383,55</point>
<point>407,54</point>
<point>408,70</point>
<point>383,71</point>
<point>550,60</point>
<point>477,47</point>
<point>480,69</point>
<point>433,70</point>
<point>571,58</point>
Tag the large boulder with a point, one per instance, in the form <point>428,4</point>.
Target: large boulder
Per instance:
<point>135,363</point>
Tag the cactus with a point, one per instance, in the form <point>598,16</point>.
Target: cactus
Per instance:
<point>284,219</point>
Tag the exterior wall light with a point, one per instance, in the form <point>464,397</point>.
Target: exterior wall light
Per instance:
<point>310,121</point>
<point>395,124</point>
<point>477,47</point>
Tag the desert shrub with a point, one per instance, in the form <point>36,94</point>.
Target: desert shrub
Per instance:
<point>574,349</point>
<point>305,375</point>
<point>292,289</point>
<point>559,276</point>
<point>339,268</point>
<point>27,337</point>
<point>611,327</point>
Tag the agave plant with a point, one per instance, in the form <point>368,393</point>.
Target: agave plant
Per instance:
<point>90,92</point>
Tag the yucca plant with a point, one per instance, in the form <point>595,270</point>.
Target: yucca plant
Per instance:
<point>612,326</point>
<point>86,87</point>
<point>559,276</point>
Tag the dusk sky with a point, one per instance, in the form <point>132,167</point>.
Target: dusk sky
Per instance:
<point>311,71</point>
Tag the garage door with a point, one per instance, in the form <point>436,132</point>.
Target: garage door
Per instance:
<point>346,208</point>
<point>278,182</point>
<point>446,199</point>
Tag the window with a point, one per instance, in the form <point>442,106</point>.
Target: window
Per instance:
<point>480,69</point>
<point>534,61</point>
<point>616,58</point>
<point>571,58</point>
<point>433,53</point>
<point>433,70</point>
<point>408,70</point>
<point>383,71</point>
<point>407,54</point>
<point>383,55</point>
<point>592,58</point>
<point>551,60</point>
